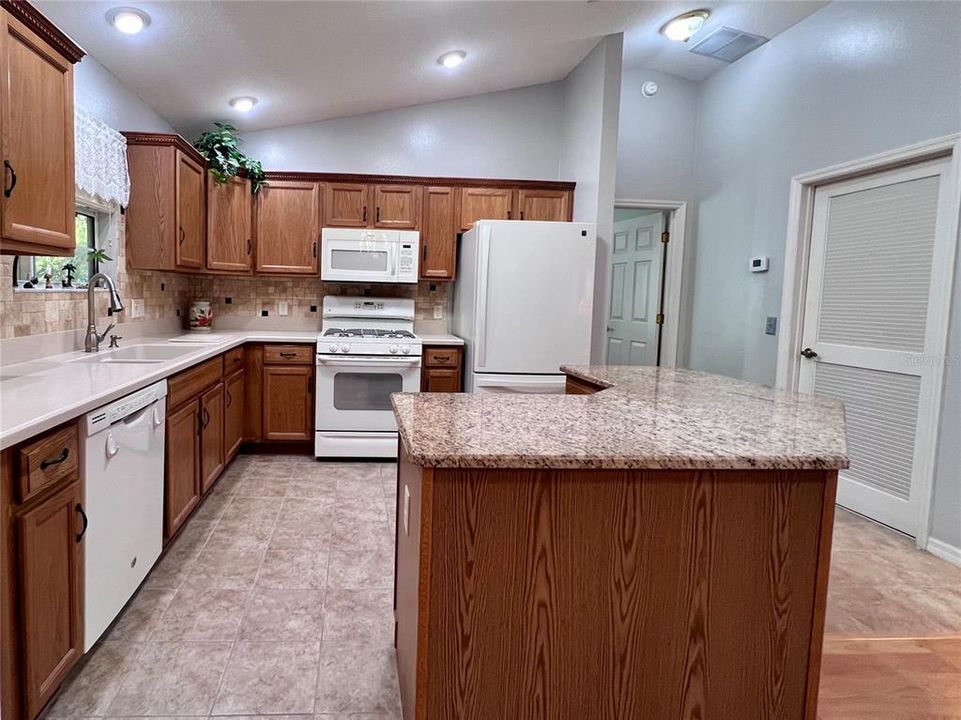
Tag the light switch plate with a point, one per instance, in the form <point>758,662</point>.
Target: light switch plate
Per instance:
<point>283,308</point>
<point>406,510</point>
<point>137,309</point>
<point>770,326</point>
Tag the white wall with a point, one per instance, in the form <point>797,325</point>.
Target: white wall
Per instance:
<point>98,92</point>
<point>655,138</point>
<point>511,134</point>
<point>851,80</point>
<point>589,157</point>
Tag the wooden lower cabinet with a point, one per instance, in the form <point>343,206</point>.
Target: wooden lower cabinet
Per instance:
<point>211,436</point>
<point>234,406</point>
<point>181,489</point>
<point>442,369</point>
<point>51,554</point>
<point>288,402</point>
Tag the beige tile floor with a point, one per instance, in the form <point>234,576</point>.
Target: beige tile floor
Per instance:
<point>276,600</point>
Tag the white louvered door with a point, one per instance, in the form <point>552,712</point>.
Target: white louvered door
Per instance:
<point>873,286</point>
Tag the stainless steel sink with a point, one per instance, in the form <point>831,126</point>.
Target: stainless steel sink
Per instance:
<point>138,354</point>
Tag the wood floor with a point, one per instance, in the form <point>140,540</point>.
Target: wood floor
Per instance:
<point>892,649</point>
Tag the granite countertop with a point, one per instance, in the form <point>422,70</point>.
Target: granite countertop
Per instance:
<point>38,395</point>
<point>647,418</point>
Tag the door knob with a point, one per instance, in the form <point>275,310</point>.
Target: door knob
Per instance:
<point>808,353</point>
<point>610,328</point>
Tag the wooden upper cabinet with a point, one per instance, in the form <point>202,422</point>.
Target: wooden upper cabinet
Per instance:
<point>288,228</point>
<point>189,204</point>
<point>51,594</point>
<point>346,204</point>
<point>397,206</point>
<point>485,204</point>
<point>438,236</point>
<point>165,218</point>
<point>230,232</point>
<point>37,204</point>
<point>554,205</point>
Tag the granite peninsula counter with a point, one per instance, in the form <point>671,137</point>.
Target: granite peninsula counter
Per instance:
<point>656,545</point>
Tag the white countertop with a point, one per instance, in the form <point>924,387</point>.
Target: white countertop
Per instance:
<point>38,395</point>
<point>440,339</point>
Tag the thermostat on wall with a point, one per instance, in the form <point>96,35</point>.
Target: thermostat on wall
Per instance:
<point>760,263</point>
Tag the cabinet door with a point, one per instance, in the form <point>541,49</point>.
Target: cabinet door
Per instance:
<point>234,408</point>
<point>552,205</point>
<point>440,380</point>
<point>211,436</point>
<point>484,204</point>
<point>288,402</point>
<point>397,206</point>
<point>345,205</point>
<point>230,237</point>
<point>36,106</point>
<point>288,228</point>
<point>438,235</point>
<point>51,596</point>
<point>189,204</point>
<point>181,489</point>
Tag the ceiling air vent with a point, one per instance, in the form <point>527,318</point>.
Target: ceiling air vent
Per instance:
<point>727,44</point>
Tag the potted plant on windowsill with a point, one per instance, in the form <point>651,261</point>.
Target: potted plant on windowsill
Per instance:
<point>220,147</point>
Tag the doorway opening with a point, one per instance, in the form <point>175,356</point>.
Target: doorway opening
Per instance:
<point>645,283</point>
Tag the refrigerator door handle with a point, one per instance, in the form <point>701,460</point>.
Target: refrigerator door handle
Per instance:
<point>484,252</point>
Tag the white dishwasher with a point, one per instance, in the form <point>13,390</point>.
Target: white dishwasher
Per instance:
<point>124,499</point>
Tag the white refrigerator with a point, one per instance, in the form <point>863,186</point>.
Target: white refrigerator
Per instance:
<point>523,303</point>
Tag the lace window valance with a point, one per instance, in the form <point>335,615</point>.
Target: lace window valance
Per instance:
<point>101,160</point>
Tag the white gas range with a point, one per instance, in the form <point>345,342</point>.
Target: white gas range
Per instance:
<point>366,351</point>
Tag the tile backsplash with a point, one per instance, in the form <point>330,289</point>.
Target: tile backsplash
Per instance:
<point>235,299</point>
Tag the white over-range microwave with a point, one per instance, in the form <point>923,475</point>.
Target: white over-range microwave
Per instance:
<point>369,256</point>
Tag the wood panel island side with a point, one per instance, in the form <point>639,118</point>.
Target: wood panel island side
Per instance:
<point>658,549</point>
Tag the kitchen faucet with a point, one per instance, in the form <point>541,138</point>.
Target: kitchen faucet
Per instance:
<point>92,342</point>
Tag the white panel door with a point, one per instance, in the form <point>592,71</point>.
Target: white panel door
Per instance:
<point>636,261</point>
<point>535,296</point>
<point>875,281</point>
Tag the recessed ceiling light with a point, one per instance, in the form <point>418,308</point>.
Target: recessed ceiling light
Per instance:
<point>452,59</point>
<point>243,104</point>
<point>681,28</point>
<point>128,20</point>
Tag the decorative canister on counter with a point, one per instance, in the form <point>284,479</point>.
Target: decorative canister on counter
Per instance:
<point>201,316</point>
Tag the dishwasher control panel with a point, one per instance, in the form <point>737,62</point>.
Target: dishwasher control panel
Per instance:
<point>107,415</point>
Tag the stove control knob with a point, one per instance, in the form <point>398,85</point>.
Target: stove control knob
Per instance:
<point>405,349</point>
<point>392,349</point>
<point>332,348</point>
<point>345,348</point>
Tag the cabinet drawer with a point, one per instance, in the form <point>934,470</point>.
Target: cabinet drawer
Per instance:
<point>233,360</point>
<point>442,356</point>
<point>289,354</point>
<point>190,383</point>
<point>48,460</point>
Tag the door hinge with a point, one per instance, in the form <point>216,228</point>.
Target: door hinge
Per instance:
<point>665,237</point>
<point>659,319</point>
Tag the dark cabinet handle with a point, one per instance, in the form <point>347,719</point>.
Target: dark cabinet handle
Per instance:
<point>441,358</point>
<point>508,214</point>
<point>377,214</point>
<point>183,235</point>
<point>522,214</point>
<point>13,178</point>
<point>365,214</point>
<point>288,354</point>
<point>86,522</point>
<point>250,246</point>
<point>425,253</point>
<point>205,419</point>
<point>230,399</point>
<point>314,249</point>
<point>64,454</point>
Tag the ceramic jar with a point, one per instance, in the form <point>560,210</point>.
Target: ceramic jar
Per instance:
<point>201,316</point>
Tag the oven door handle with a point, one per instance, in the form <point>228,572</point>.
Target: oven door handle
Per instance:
<point>367,362</point>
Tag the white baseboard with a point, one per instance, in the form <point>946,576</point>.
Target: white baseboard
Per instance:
<point>943,550</point>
